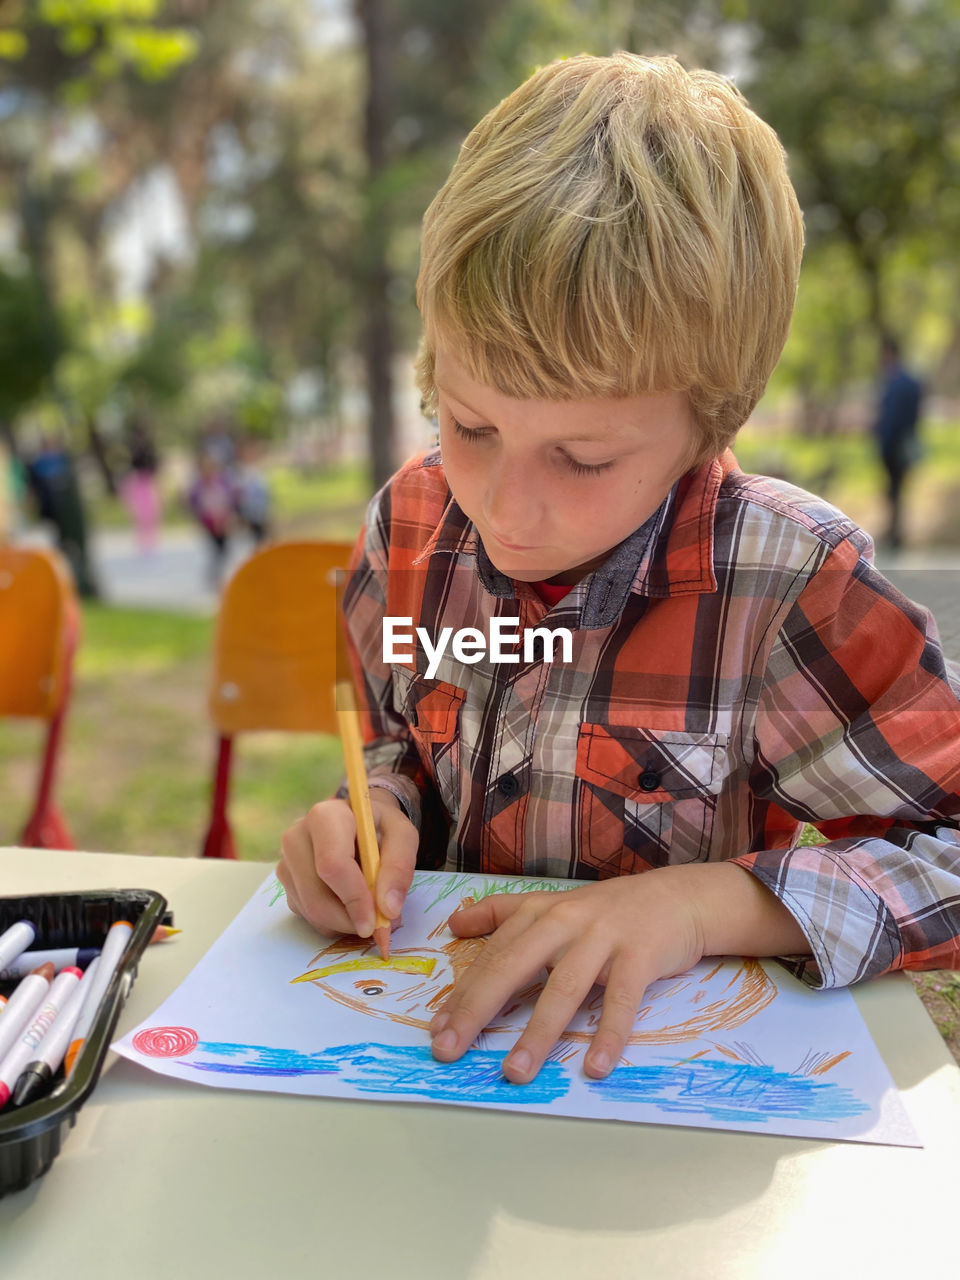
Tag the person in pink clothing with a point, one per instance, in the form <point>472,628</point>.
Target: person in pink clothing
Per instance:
<point>140,490</point>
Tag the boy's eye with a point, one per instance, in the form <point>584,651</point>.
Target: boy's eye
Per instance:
<point>469,433</point>
<point>476,434</point>
<point>586,468</point>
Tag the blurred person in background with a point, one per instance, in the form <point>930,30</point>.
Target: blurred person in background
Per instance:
<point>212,499</point>
<point>52,481</point>
<point>219,442</point>
<point>252,493</point>
<point>140,490</point>
<point>895,431</point>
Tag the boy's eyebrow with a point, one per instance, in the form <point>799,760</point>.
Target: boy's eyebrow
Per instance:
<point>578,439</point>
<point>448,391</point>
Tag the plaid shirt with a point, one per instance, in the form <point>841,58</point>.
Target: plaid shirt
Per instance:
<point>739,668</point>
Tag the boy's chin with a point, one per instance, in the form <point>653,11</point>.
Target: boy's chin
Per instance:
<point>556,574</point>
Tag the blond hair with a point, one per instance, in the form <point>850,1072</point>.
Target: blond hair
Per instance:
<point>615,226</point>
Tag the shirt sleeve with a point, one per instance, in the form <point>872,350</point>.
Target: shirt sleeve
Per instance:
<point>858,733</point>
<point>390,753</point>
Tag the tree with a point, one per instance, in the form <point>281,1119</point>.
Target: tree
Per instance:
<point>866,98</point>
<point>59,57</point>
<point>30,345</point>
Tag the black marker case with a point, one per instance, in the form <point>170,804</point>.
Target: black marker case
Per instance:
<point>31,1136</point>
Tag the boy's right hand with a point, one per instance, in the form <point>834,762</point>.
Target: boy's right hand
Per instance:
<point>321,875</point>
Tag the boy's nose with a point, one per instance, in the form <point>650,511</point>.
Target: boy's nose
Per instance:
<point>510,507</point>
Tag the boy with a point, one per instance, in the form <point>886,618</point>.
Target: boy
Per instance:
<point>607,281</point>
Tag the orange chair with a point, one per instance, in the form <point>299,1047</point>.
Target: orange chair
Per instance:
<point>274,664</point>
<point>39,625</point>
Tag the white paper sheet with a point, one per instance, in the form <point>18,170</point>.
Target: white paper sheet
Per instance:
<point>733,1044</point>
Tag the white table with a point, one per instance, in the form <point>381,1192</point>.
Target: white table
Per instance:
<point>160,1178</point>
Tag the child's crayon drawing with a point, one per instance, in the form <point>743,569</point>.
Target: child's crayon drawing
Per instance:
<point>734,1044</point>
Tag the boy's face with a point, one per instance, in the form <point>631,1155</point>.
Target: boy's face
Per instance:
<point>554,485</point>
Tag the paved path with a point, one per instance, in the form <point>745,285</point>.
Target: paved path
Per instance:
<point>174,577</point>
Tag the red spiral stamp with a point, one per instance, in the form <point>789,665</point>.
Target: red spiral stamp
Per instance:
<point>165,1042</point>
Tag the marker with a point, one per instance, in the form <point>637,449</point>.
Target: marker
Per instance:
<point>23,1004</point>
<point>16,939</point>
<point>22,1052</point>
<point>36,1075</point>
<point>113,948</point>
<point>3,1001</point>
<point>60,958</point>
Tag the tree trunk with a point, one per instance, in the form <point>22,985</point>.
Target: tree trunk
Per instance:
<point>378,339</point>
<point>99,454</point>
<point>378,329</point>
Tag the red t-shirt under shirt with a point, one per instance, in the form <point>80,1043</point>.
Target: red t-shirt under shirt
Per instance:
<point>551,593</point>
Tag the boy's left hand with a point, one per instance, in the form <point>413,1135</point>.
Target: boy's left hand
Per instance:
<point>624,933</point>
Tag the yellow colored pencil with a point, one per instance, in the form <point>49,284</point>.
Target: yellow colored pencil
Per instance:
<point>164,931</point>
<point>348,719</point>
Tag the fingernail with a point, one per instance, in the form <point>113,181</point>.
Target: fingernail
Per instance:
<point>393,903</point>
<point>439,1022</point>
<point>599,1063</point>
<point>445,1040</point>
<point>519,1062</point>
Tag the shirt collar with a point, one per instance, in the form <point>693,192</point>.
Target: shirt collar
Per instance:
<point>671,554</point>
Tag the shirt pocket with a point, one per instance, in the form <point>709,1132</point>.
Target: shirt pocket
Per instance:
<point>431,709</point>
<point>647,797</point>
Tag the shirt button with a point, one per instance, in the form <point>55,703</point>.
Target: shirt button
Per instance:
<point>649,780</point>
<point>508,785</point>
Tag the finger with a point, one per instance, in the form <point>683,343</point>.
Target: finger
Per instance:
<point>323,911</point>
<point>513,927</point>
<point>289,893</point>
<point>333,834</point>
<point>306,895</point>
<point>488,914</point>
<point>399,843</point>
<point>489,983</point>
<point>626,984</point>
<point>564,992</point>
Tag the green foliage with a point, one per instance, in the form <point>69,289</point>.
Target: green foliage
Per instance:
<point>13,45</point>
<point>866,98</point>
<point>30,341</point>
<point>95,41</point>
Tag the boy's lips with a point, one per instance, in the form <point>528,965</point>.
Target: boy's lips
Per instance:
<point>511,546</point>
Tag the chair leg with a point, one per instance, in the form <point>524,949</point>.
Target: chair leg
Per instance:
<point>218,842</point>
<point>45,828</point>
